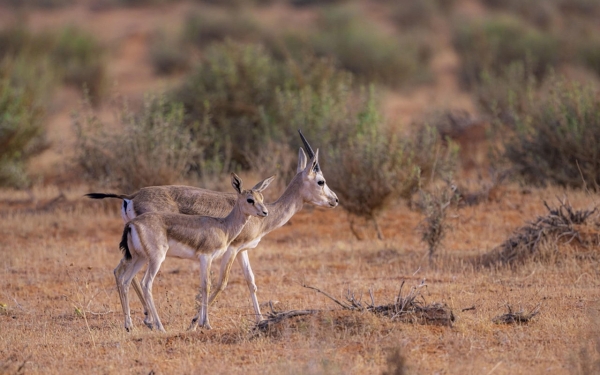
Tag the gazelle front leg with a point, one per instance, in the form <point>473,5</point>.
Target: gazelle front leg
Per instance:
<point>226,263</point>
<point>201,317</point>
<point>249,275</point>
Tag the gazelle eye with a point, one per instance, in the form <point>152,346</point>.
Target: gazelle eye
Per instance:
<point>250,200</point>
<point>321,183</point>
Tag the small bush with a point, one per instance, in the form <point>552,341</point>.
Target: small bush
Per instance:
<point>503,95</point>
<point>556,140</point>
<point>493,44</point>
<point>151,147</point>
<point>366,163</point>
<point>371,55</point>
<point>78,56</point>
<point>237,90</point>
<point>22,94</point>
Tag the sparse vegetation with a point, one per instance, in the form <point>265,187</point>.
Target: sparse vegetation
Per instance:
<point>388,60</point>
<point>78,57</point>
<point>361,102</point>
<point>22,92</point>
<point>491,44</point>
<point>149,148</point>
<point>434,206</point>
<point>556,139</point>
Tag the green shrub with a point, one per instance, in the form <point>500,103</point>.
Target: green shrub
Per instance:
<point>357,46</point>
<point>237,89</point>
<point>503,95</point>
<point>79,58</point>
<point>492,44</point>
<point>23,90</point>
<point>556,141</point>
<point>366,163</point>
<point>151,147</point>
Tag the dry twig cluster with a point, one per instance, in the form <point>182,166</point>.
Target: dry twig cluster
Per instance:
<point>560,224</point>
<point>409,308</point>
<point>516,317</point>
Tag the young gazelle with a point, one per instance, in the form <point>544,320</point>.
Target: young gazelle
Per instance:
<point>308,186</point>
<point>151,237</point>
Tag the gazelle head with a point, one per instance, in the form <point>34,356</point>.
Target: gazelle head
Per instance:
<point>314,188</point>
<point>251,201</point>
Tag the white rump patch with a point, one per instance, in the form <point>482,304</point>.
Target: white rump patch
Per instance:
<point>127,213</point>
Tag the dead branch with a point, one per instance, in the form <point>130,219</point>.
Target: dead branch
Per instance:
<point>560,224</point>
<point>516,317</point>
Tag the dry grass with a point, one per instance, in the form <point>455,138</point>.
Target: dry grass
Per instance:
<point>60,312</point>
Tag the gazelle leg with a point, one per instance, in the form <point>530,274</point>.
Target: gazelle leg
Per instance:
<point>226,263</point>
<point>148,318</point>
<point>249,275</point>
<point>138,290</point>
<point>201,317</point>
<point>127,270</point>
<point>153,267</point>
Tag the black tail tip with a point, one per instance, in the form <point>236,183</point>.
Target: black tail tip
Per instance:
<point>95,195</point>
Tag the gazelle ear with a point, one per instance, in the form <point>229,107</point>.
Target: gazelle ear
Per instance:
<point>236,182</point>
<point>312,165</point>
<point>301,161</point>
<point>263,184</point>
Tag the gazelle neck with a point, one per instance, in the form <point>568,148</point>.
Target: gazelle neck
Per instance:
<point>282,210</point>
<point>234,222</point>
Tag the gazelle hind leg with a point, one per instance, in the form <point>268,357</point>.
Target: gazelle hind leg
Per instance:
<point>128,269</point>
<point>138,290</point>
<point>153,267</point>
<point>249,276</point>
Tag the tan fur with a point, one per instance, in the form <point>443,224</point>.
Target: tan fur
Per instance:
<point>153,236</point>
<point>302,189</point>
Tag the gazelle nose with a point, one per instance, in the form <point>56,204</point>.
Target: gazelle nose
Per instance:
<point>265,213</point>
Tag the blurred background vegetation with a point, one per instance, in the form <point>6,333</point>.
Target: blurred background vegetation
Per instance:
<point>395,94</point>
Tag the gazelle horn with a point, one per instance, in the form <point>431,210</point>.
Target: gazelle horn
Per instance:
<point>309,150</point>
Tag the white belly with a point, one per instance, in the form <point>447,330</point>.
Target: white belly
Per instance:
<point>179,250</point>
<point>250,245</point>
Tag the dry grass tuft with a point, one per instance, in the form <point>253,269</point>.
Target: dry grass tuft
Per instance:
<point>561,225</point>
<point>516,317</point>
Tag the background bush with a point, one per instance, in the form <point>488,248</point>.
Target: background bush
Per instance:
<point>371,55</point>
<point>78,57</point>
<point>148,148</point>
<point>556,140</point>
<point>22,93</point>
<point>491,44</point>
